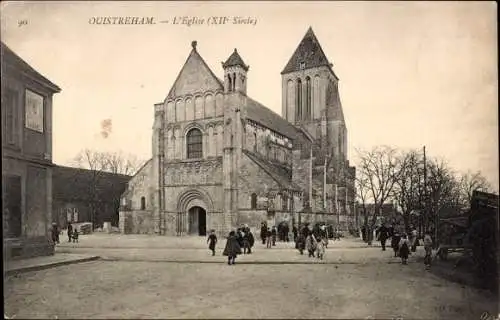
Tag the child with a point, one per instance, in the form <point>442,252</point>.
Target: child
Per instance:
<point>404,249</point>
<point>273,235</point>
<point>212,241</point>
<point>320,249</point>
<point>428,251</point>
<point>75,235</point>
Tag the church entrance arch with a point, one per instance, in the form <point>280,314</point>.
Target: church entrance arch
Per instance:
<point>197,225</point>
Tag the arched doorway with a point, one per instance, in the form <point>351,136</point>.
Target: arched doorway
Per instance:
<point>197,225</point>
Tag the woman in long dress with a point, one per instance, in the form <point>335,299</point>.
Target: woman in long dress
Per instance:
<point>232,249</point>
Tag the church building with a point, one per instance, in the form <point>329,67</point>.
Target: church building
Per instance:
<point>221,159</point>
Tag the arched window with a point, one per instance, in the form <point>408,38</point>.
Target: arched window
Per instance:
<point>194,144</point>
<point>298,95</point>
<point>253,201</point>
<point>143,203</point>
<point>230,83</point>
<point>255,142</point>
<point>308,99</point>
<point>234,81</point>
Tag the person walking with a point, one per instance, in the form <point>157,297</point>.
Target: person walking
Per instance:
<point>248,241</point>
<point>383,234</point>
<point>395,243</point>
<point>295,232</point>
<point>212,241</point>
<point>414,238</point>
<point>232,249</point>
<point>404,248</point>
<point>70,232</point>
<point>300,243</point>
<point>273,235</point>
<point>428,250</point>
<point>55,232</point>
<point>268,238</point>
<point>263,232</point>
<point>311,244</point>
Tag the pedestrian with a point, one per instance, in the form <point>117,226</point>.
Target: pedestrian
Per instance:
<point>383,234</point>
<point>70,231</point>
<point>395,243</point>
<point>239,237</point>
<point>74,234</point>
<point>294,231</point>
<point>300,243</point>
<point>232,249</point>
<point>414,238</point>
<point>212,241</point>
<point>273,235</point>
<point>428,250</point>
<point>55,232</point>
<point>263,232</point>
<point>248,241</point>
<point>320,249</point>
<point>311,244</point>
<point>286,230</point>
<point>404,248</point>
<point>268,238</point>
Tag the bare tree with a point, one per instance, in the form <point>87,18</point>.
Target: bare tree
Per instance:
<point>408,188</point>
<point>470,182</point>
<point>99,163</point>
<point>379,170</point>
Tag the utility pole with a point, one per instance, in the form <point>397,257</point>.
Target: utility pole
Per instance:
<point>425,216</point>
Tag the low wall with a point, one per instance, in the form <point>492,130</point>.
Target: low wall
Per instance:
<point>136,222</point>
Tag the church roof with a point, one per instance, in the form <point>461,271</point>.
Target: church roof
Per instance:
<point>194,68</point>
<point>278,173</point>
<point>235,60</point>
<point>308,52</point>
<point>269,119</point>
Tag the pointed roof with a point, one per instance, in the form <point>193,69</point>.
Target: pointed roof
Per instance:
<point>10,57</point>
<point>195,74</point>
<point>308,52</point>
<point>235,60</point>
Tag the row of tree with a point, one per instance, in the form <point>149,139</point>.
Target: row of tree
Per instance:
<point>414,182</point>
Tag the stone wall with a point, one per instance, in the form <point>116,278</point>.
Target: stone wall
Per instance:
<point>136,222</point>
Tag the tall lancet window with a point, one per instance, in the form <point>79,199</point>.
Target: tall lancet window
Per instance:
<point>230,83</point>
<point>234,81</point>
<point>308,99</point>
<point>298,95</point>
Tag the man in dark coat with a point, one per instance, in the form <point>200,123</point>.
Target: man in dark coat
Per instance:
<point>286,230</point>
<point>295,232</point>
<point>212,241</point>
<point>248,241</point>
<point>273,235</point>
<point>383,234</point>
<point>70,232</point>
<point>263,232</point>
<point>239,237</point>
<point>232,249</point>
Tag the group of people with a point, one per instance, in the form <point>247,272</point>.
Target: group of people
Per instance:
<point>314,241</point>
<point>268,235</point>
<point>72,233</point>
<point>404,244</point>
<point>236,240</point>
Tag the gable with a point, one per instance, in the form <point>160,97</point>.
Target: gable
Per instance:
<point>195,76</point>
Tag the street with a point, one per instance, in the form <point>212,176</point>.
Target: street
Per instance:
<point>148,283</point>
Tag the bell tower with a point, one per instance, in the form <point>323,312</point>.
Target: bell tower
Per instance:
<point>235,74</point>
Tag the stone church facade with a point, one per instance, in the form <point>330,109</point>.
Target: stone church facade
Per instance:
<point>221,159</point>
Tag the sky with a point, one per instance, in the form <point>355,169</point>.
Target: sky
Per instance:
<point>411,73</point>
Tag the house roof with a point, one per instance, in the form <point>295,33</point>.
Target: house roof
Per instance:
<point>235,60</point>
<point>83,182</point>
<point>308,52</point>
<point>278,173</point>
<point>10,57</point>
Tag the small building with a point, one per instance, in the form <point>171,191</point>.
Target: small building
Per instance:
<point>26,158</point>
<point>81,195</point>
